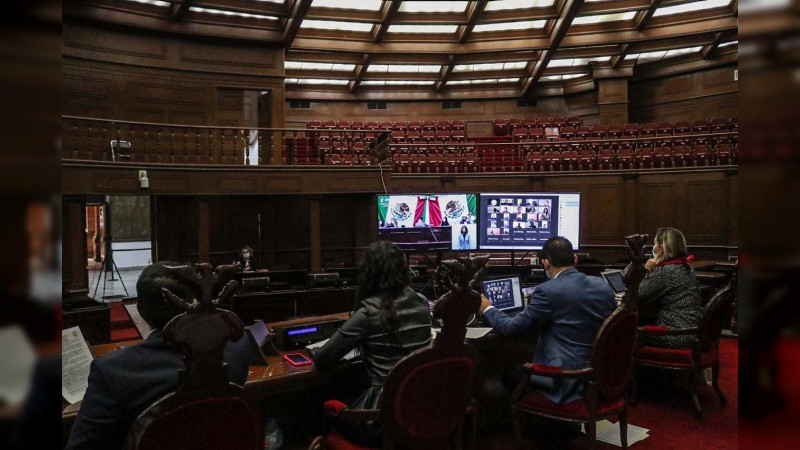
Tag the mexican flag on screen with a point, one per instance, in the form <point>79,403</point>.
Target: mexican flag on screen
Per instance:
<point>407,210</point>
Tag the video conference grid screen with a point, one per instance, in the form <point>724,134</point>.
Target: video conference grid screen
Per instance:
<point>503,293</point>
<point>456,214</point>
<point>526,221</point>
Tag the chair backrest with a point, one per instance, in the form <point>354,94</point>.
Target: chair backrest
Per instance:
<point>612,354</point>
<point>182,419</point>
<point>717,313</point>
<point>211,418</point>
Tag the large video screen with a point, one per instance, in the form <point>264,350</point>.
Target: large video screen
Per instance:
<point>429,221</point>
<point>526,221</point>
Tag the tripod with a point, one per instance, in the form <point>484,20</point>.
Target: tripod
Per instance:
<point>108,266</point>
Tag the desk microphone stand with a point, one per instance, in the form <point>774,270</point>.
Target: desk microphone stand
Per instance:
<point>108,266</point>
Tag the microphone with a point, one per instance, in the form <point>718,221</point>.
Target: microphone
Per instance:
<point>432,233</point>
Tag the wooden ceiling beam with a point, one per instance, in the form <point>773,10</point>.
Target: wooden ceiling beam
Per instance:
<point>474,11</point>
<point>446,72</point>
<point>387,14</point>
<point>178,8</point>
<point>567,14</point>
<point>297,12</point>
<point>708,50</point>
<point>623,52</point>
<point>361,69</point>
<point>644,17</point>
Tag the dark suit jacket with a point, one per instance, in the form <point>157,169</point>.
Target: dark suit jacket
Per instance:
<point>125,382</point>
<point>567,312</point>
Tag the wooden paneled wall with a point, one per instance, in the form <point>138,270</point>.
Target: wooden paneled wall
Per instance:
<point>696,95</point>
<point>703,204</point>
<point>123,74</point>
<point>478,114</point>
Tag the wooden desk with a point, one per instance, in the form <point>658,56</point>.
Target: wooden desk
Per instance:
<point>704,264</point>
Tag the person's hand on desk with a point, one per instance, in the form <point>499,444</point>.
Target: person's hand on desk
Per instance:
<point>485,303</point>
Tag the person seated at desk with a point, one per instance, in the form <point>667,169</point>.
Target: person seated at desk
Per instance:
<point>245,260</point>
<point>391,321</point>
<point>668,295</point>
<point>567,311</point>
<point>127,381</point>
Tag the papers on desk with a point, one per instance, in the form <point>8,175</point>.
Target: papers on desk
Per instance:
<point>75,361</point>
<point>472,332</point>
<point>353,354</point>
<point>609,433</point>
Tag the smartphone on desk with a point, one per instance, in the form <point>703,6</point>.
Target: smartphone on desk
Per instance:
<point>297,359</point>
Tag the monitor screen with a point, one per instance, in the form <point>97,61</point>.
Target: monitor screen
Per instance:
<point>441,221</point>
<point>616,280</point>
<point>503,293</point>
<point>526,221</point>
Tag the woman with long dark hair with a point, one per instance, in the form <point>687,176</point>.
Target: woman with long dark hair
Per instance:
<point>391,321</point>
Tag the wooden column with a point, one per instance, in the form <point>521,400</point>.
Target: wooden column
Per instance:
<point>314,233</point>
<point>612,101</point>
<point>278,121</point>
<point>203,230</point>
<point>75,275</point>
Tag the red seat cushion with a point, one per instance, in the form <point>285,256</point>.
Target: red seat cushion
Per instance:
<point>335,441</point>
<point>671,357</point>
<point>536,402</point>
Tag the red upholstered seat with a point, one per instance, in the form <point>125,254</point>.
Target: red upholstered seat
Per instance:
<point>669,357</point>
<point>703,353</point>
<point>335,441</point>
<point>575,410</point>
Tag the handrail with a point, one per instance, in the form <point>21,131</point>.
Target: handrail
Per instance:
<point>154,124</point>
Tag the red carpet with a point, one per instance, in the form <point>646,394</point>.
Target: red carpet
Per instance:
<point>667,412</point>
<point>122,326</point>
<point>778,430</point>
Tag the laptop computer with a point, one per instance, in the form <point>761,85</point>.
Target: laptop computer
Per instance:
<point>505,293</point>
<point>616,281</point>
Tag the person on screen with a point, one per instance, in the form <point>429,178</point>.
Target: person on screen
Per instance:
<point>464,239</point>
<point>245,260</point>
<point>567,312</point>
<point>668,295</point>
<point>519,225</point>
<point>125,382</point>
<point>392,223</point>
<point>420,223</point>
<point>444,223</point>
<point>546,213</point>
<point>391,321</point>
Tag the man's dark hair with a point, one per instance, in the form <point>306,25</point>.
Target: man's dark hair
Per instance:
<point>558,250</point>
<point>154,308</point>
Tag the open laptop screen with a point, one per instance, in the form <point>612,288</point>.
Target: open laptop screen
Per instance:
<point>615,279</point>
<point>505,294</point>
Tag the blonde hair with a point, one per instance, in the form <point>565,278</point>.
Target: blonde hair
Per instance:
<point>672,242</point>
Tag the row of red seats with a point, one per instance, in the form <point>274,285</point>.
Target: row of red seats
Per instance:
<point>414,125</point>
<point>504,127</point>
<point>428,136</point>
<point>512,128</point>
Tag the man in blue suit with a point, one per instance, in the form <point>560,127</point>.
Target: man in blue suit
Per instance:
<point>125,382</point>
<point>566,311</point>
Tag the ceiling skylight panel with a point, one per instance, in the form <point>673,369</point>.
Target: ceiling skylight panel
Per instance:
<point>690,7</point>
<point>506,26</point>
<point>336,25</point>
<point>484,81</point>
<point>362,5</point>
<point>231,13</point>
<point>681,51</point>
<point>318,66</point>
<point>404,68</point>
<point>572,62</point>
<point>563,77</point>
<point>604,18</point>
<point>325,81</point>
<point>728,44</point>
<point>441,29</point>
<point>490,66</point>
<point>433,7</point>
<point>397,83</point>
<point>151,2</point>
<point>502,5</point>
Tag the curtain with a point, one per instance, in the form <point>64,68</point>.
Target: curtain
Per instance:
<point>434,211</point>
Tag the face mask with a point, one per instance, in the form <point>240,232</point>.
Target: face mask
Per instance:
<point>246,255</point>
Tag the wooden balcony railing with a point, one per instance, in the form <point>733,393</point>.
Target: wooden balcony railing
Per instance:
<point>95,139</point>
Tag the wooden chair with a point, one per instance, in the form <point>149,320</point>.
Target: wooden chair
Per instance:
<point>427,394</point>
<point>206,411</point>
<point>609,371</point>
<point>703,354</point>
